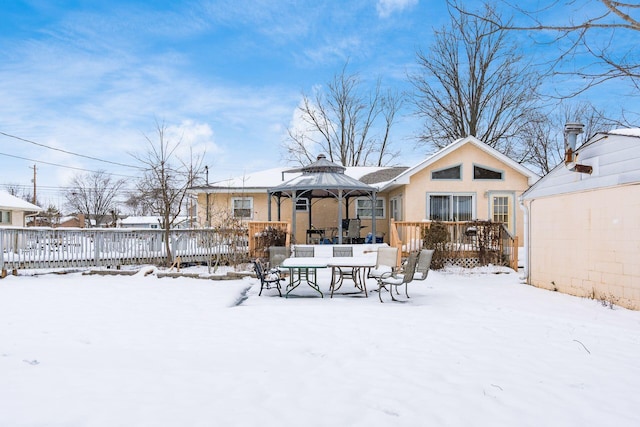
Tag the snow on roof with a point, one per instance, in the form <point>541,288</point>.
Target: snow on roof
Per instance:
<point>276,176</point>
<point>627,132</point>
<point>7,201</point>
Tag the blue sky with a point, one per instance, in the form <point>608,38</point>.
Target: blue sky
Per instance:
<point>93,77</point>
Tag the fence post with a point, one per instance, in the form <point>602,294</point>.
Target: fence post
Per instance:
<point>97,241</point>
<point>2,269</point>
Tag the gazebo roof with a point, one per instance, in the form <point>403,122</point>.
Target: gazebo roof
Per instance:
<point>323,178</point>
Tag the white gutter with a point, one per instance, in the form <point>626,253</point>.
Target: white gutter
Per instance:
<point>527,260</point>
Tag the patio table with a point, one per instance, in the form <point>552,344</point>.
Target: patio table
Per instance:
<point>303,269</point>
<point>358,266</point>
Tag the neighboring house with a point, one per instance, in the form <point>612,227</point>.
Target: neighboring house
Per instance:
<point>583,234</point>
<point>73,221</point>
<point>153,222</point>
<point>14,210</point>
<point>466,180</point>
<point>245,198</point>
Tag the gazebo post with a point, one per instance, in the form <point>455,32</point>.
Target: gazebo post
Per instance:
<point>294,199</point>
<point>373,217</point>
<point>279,208</point>
<point>340,215</point>
<point>309,214</point>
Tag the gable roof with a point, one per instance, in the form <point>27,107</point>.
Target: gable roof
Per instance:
<point>614,157</point>
<point>404,178</point>
<point>7,201</point>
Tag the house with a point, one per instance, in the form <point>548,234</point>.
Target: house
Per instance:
<point>466,180</point>
<point>246,199</point>
<point>583,227</point>
<point>14,211</point>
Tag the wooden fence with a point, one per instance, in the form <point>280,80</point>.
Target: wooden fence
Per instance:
<point>263,234</point>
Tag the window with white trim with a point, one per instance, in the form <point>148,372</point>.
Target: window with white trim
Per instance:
<point>302,205</point>
<point>242,207</point>
<point>363,208</point>
<point>5,217</point>
<point>451,207</point>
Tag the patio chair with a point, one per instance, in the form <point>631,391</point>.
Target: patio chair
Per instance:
<point>386,262</point>
<point>424,264</point>
<point>398,279</point>
<point>277,254</point>
<point>269,279</point>
<point>353,232</point>
<point>341,272</point>
<point>304,251</point>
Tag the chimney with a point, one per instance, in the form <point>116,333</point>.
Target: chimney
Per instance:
<point>571,132</point>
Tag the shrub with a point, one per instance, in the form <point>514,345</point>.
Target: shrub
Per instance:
<point>436,237</point>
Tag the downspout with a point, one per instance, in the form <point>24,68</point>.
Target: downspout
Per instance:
<point>25,216</point>
<point>527,243</point>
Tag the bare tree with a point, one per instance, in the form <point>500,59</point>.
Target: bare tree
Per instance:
<point>604,30</point>
<point>166,179</point>
<point>93,194</point>
<point>544,133</point>
<point>347,122</point>
<point>472,81</point>
<point>137,205</point>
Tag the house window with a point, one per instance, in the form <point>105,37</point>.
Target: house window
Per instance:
<point>480,172</point>
<point>363,208</point>
<point>395,208</point>
<point>302,205</point>
<point>5,217</point>
<point>451,207</point>
<point>242,207</point>
<point>454,172</point>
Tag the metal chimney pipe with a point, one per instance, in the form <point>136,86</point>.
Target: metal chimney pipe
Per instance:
<point>571,132</point>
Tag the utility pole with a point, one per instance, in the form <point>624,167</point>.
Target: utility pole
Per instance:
<point>208,221</point>
<point>34,184</point>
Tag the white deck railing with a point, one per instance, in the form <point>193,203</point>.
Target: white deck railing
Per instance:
<point>23,248</point>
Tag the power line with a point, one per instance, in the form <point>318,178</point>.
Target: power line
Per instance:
<point>64,166</point>
<point>68,152</point>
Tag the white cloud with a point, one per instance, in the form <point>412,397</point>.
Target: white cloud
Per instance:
<point>386,7</point>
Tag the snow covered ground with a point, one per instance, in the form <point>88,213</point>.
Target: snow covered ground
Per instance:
<point>469,348</point>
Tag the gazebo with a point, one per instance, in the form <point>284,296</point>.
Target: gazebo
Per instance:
<point>320,180</point>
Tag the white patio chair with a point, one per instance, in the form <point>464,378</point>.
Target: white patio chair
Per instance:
<point>424,264</point>
<point>398,279</point>
<point>386,262</point>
